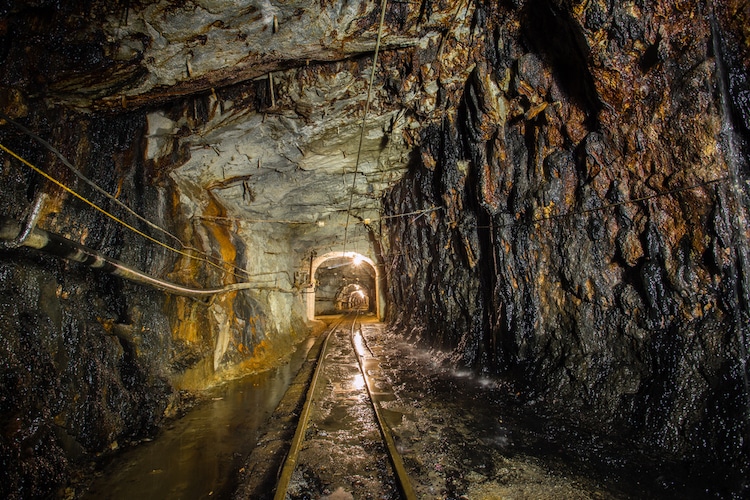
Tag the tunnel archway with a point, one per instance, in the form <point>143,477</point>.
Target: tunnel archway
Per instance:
<point>373,289</point>
<point>353,297</point>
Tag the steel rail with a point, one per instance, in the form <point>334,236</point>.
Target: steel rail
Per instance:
<point>402,477</point>
<point>290,463</point>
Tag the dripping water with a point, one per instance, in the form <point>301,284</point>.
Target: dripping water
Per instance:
<point>735,161</point>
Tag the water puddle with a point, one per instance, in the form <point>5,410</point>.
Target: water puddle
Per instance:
<point>199,455</point>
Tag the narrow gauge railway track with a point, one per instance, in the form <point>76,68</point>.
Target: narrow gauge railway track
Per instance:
<point>342,442</point>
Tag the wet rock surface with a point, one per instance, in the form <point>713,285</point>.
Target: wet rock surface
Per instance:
<point>83,365</point>
<point>540,264</point>
<point>518,135</point>
<point>94,363</point>
<point>464,435</point>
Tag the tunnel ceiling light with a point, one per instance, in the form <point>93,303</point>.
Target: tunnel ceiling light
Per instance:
<point>357,260</point>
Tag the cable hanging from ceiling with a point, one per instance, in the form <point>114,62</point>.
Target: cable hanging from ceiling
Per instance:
<point>62,247</point>
<point>85,179</point>
<point>364,117</point>
<point>407,214</point>
<point>216,218</point>
<point>321,223</point>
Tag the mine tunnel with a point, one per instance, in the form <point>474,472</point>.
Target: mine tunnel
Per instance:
<point>535,210</point>
<point>343,282</point>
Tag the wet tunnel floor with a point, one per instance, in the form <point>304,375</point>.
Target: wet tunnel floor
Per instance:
<point>461,437</point>
<point>342,450</point>
<point>199,455</point>
<point>464,436</point>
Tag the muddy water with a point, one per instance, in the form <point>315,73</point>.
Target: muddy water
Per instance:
<point>199,455</point>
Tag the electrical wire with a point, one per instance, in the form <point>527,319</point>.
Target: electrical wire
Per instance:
<point>71,250</point>
<point>213,218</point>
<point>106,213</point>
<point>107,195</point>
<point>80,175</point>
<point>407,214</point>
<point>419,213</point>
<point>364,117</point>
<point>364,221</point>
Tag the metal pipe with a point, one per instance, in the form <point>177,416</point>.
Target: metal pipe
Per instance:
<point>28,225</point>
<point>59,246</point>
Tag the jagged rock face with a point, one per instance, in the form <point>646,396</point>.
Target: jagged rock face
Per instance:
<point>243,143</point>
<point>539,265</point>
<point>135,53</point>
<point>84,355</point>
<point>507,126</point>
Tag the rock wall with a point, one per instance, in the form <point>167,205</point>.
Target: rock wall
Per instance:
<point>82,351</point>
<point>92,362</point>
<point>590,238</point>
<point>585,160</point>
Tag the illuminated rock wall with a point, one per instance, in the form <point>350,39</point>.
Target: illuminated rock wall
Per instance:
<point>628,315</point>
<point>93,362</point>
<point>526,128</point>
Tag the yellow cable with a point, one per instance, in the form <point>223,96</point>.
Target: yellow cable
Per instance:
<point>78,173</point>
<point>96,207</point>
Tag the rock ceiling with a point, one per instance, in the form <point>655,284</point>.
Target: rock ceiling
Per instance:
<point>257,106</point>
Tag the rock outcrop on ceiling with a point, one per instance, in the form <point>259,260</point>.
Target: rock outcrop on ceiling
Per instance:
<point>302,68</point>
<point>236,125</point>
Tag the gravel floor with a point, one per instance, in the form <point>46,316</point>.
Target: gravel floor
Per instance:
<point>461,436</point>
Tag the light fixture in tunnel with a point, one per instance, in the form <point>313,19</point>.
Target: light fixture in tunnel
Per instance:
<point>367,272</point>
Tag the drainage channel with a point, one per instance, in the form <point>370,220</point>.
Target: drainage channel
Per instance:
<point>200,454</point>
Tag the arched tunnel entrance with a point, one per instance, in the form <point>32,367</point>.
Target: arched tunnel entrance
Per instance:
<point>344,281</point>
<point>353,297</point>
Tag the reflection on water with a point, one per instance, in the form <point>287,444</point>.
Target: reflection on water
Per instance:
<point>358,344</point>
<point>358,382</point>
<point>199,455</point>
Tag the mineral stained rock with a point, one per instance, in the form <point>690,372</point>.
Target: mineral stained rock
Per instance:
<point>590,241</point>
<point>574,170</point>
